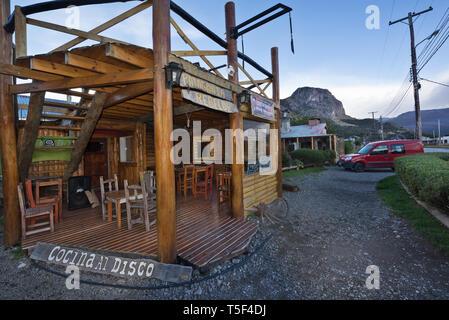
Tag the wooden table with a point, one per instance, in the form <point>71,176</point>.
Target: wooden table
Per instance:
<point>117,197</point>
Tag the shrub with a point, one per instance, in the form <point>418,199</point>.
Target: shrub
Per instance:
<point>349,148</point>
<point>309,156</point>
<point>286,160</point>
<point>426,176</point>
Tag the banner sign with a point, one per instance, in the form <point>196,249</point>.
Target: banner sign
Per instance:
<point>262,108</point>
<point>191,82</point>
<point>209,101</point>
<point>111,265</point>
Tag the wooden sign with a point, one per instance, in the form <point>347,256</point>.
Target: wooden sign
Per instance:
<point>191,82</point>
<point>262,108</point>
<point>111,265</point>
<point>209,101</point>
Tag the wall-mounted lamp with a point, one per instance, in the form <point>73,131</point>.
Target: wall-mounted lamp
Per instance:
<point>172,74</point>
<point>244,97</point>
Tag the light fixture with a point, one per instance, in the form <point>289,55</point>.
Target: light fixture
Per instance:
<point>244,97</point>
<point>173,73</point>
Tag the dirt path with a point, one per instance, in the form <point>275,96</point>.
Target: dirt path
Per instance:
<point>336,228</point>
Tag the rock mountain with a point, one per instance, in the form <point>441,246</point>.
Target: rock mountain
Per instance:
<point>314,102</point>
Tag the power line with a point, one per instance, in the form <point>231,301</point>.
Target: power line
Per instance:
<point>436,82</point>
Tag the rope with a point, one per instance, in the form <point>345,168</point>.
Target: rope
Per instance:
<point>167,286</point>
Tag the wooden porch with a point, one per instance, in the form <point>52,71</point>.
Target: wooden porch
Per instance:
<point>205,233</point>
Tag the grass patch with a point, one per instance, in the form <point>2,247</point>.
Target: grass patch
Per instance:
<point>18,253</point>
<point>394,196</point>
<point>302,172</point>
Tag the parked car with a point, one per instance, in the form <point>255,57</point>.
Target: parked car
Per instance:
<point>380,154</point>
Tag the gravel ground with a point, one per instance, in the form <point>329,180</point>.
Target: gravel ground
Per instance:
<point>336,228</point>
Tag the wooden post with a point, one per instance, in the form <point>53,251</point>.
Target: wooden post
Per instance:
<point>235,119</point>
<point>313,143</point>
<point>277,124</point>
<point>8,143</point>
<point>330,142</point>
<point>87,129</point>
<point>163,126</point>
<point>20,32</point>
<point>335,144</point>
<point>30,132</point>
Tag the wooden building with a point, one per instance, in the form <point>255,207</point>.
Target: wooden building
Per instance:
<point>121,124</point>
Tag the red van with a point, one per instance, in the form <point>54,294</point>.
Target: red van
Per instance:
<point>380,154</point>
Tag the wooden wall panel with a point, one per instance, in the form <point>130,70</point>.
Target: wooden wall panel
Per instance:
<point>259,188</point>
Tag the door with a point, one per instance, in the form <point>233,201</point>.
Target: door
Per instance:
<point>380,157</point>
<point>96,161</point>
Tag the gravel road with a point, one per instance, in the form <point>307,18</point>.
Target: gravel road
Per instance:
<point>335,229</point>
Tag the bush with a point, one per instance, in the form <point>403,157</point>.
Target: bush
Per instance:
<point>426,176</point>
<point>309,156</point>
<point>349,148</point>
<point>287,161</point>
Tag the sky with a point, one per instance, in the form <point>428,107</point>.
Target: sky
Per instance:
<point>364,68</point>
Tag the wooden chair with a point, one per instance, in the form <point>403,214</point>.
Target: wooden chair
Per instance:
<point>201,181</point>
<point>33,213</point>
<point>52,198</point>
<point>223,186</point>
<point>210,179</point>
<point>150,182</point>
<point>112,185</point>
<point>187,179</point>
<point>35,204</point>
<point>146,206</point>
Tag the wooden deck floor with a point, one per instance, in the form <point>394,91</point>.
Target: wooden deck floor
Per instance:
<point>205,233</point>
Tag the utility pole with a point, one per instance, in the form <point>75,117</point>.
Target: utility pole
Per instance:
<point>374,123</point>
<point>416,85</point>
<point>381,128</point>
<point>439,132</point>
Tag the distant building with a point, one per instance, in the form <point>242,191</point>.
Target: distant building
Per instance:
<point>310,136</point>
<point>443,140</point>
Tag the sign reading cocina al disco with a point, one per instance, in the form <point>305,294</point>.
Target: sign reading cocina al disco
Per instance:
<point>262,108</point>
<point>116,266</point>
<point>191,82</point>
<point>209,101</point>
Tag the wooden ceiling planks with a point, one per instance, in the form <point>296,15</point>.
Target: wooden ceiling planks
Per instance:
<point>103,61</point>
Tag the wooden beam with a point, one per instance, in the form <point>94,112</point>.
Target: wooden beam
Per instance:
<point>20,32</point>
<point>30,132</point>
<point>87,128</point>
<point>62,128</point>
<point>129,92</point>
<point>252,80</point>
<point>11,212</point>
<point>196,53</point>
<point>60,116</point>
<point>244,83</point>
<point>59,69</point>
<point>106,25</point>
<point>163,126</point>
<point>65,105</point>
<point>235,119</point>
<point>128,56</point>
<point>195,48</point>
<point>110,79</point>
<point>277,110</point>
<point>25,73</point>
<point>94,65</point>
<point>76,32</point>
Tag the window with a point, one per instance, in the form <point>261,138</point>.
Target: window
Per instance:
<point>365,149</point>
<point>126,149</point>
<point>380,150</point>
<point>251,149</point>
<point>95,146</point>
<point>397,148</point>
